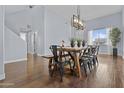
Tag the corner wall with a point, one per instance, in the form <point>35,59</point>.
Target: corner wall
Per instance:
<point>2,74</point>
<point>15,47</point>
<point>123,28</point>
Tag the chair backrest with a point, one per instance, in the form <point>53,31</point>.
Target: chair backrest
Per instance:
<point>53,49</point>
<point>87,51</point>
<point>90,50</point>
<point>95,50</point>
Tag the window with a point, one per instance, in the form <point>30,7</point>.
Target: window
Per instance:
<point>99,36</point>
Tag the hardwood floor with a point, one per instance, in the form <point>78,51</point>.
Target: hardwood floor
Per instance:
<point>34,74</point>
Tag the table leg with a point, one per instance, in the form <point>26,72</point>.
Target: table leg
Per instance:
<point>76,58</point>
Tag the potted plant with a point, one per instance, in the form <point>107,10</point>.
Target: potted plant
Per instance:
<point>115,38</point>
<point>79,41</point>
<point>72,42</point>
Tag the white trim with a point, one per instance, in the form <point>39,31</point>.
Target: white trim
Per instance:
<point>16,60</point>
<point>2,76</point>
<point>120,55</point>
<point>104,53</point>
<point>36,54</point>
<point>39,55</point>
<point>110,54</point>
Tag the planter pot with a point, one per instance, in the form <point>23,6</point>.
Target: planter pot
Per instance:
<point>78,44</point>
<point>115,52</point>
<point>72,44</point>
<point>83,43</point>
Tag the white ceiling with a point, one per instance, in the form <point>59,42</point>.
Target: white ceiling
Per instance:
<point>88,12</point>
<point>14,8</point>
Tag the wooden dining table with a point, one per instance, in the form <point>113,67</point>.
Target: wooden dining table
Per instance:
<point>74,52</point>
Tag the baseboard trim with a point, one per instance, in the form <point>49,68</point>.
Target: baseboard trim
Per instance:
<point>105,53</point>
<point>2,76</point>
<point>16,60</point>
<point>39,55</point>
<point>111,54</point>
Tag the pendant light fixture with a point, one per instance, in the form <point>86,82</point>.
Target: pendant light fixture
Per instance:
<point>77,22</point>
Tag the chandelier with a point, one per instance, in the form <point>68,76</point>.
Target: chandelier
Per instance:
<point>77,22</point>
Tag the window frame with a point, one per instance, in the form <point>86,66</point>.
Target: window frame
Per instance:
<point>90,38</point>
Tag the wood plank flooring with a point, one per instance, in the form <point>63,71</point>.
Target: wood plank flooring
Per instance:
<point>109,73</point>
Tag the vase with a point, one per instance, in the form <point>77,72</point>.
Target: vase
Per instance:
<point>115,52</point>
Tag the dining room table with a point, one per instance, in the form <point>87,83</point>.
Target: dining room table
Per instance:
<point>74,52</point>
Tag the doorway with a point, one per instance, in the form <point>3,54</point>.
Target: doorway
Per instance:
<point>31,40</point>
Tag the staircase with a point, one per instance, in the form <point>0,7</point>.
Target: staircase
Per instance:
<point>15,46</point>
<point>11,26</point>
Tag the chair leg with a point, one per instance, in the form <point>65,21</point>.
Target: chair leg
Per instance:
<point>85,69</point>
<point>94,61</point>
<point>61,70</point>
<point>51,74</point>
<point>97,60</point>
<point>74,66</point>
<point>89,66</point>
<point>90,62</point>
<point>73,69</point>
<point>70,65</point>
<point>50,63</point>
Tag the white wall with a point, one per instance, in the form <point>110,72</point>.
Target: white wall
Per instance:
<point>114,20</point>
<point>39,26</point>
<point>18,20</point>
<point>34,17</point>
<point>15,47</point>
<point>56,30</point>
<point>123,28</point>
<point>2,75</point>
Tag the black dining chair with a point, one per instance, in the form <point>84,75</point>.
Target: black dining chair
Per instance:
<point>88,58</point>
<point>85,60</point>
<point>92,54</point>
<point>58,63</point>
<point>95,51</point>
